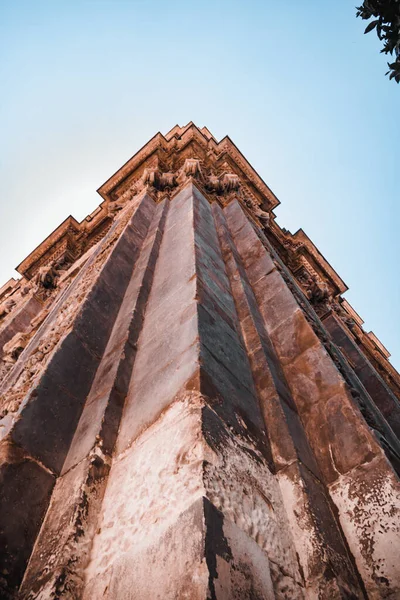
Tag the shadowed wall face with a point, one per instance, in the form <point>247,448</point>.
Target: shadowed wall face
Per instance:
<point>192,430</point>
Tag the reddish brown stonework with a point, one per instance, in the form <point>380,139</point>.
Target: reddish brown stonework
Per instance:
<point>189,409</point>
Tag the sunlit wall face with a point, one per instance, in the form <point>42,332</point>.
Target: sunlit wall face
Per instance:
<point>296,85</point>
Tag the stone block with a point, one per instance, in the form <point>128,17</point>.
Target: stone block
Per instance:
<point>321,550</point>
<point>383,397</point>
<point>170,567</point>
<point>312,376</point>
<point>230,477</point>
<point>149,398</point>
<point>349,444</point>
<point>47,421</point>
<point>233,401</point>
<point>215,304</point>
<point>98,426</point>
<point>25,489</point>
<point>291,336</point>
<point>94,322</point>
<point>368,503</point>
<point>238,567</point>
<point>63,545</point>
<point>225,345</point>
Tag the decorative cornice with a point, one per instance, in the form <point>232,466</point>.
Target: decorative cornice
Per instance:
<point>65,243</point>
<point>175,142</point>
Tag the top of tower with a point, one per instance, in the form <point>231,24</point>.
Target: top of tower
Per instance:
<point>170,151</point>
<point>221,172</point>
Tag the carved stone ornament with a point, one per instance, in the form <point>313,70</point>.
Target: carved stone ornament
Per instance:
<point>16,345</point>
<point>160,181</point>
<point>316,290</point>
<point>192,168</point>
<point>230,182</point>
<point>6,307</point>
<point>344,316</point>
<point>46,277</point>
<point>16,385</point>
<point>257,211</point>
<point>213,184</point>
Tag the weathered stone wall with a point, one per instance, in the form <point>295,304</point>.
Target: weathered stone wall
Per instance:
<point>48,395</point>
<point>346,451</point>
<point>186,433</point>
<point>384,398</point>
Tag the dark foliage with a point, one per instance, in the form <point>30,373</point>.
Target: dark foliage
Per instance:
<point>386,22</point>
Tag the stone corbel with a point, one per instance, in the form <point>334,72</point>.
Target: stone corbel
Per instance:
<point>191,168</point>
<point>230,183</point>
<point>150,177</point>
<point>158,180</point>
<point>213,185</point>
<point>168,181</point>
<point>225,184</point>
<point>292,246</point>
<point>344,316</point>
<point>116,206</point>
<point>46,279</point>
<point>263,216</point>
<point>316,290</point>
<point>6,307</point>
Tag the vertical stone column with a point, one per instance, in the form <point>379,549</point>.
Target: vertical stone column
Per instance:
<point>328,569</point>
<point>61,551</point>
<point>192,508</point>
<point>353,466</point>
<point>187,435</point>
<point>71,342</point>
<point>383,397</point>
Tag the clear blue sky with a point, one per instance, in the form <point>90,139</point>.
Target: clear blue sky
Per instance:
<point>296,85</point>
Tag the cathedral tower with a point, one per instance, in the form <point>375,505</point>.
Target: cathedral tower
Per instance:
<point>189,408</point>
